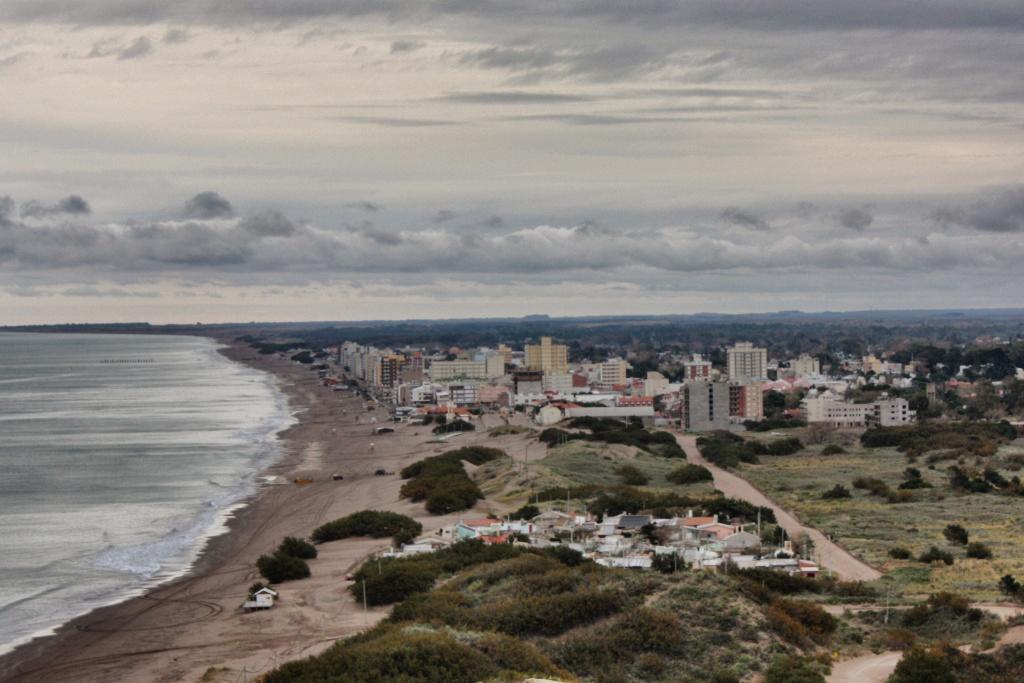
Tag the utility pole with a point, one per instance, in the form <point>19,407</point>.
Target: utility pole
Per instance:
<point>366,615</point>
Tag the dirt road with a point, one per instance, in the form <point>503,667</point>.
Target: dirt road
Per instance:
<point>830,555</point>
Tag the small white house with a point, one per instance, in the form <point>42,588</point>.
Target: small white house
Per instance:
<point>262,599</point>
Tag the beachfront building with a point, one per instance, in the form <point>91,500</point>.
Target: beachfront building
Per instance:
<point>747,362</point>
<point>547,357</point>
<point>827,408</point>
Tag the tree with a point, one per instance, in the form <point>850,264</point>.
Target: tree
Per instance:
<point>836,492</point>
<point>1010,586</point>
<point>277,568</point>
<point>979,551</point>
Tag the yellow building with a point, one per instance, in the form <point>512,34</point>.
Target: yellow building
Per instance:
<point>547,357</point>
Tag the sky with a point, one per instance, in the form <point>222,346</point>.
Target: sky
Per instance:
<point>215,161</point>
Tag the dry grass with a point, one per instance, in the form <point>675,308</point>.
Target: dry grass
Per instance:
<point>869,526</point>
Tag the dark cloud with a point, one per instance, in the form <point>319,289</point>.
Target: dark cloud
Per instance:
<point>744,218</point>
<point>176,35</point>
<point>513,97</point>
<point>207,205</point>
<point>777,15</point>
<point>369,207</point>
<point>72,204</point>
<point>395,122</point>
<point>268,224</point>
<point>999,211</point>
<point>534,63</point>
<point>494,222</point>
<point>444,215</point>
<point>6,210</point>
<point>855,219</point>
<point>140,47</point>
<point>402,46</point>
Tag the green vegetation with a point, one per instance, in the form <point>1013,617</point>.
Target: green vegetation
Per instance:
<point>631,475</point>
<point>934,554</point>
<point>280,567</point>
<point>689,474</point>
<point>297,547</point>
<point>836,493</point>
<point>833,449</point>
<point>951,439</point>
<point>726,449</point>
<point>525,512</point>
<point>870,526</point>
<point>978,551</point>
<point>790,669</point>
<point>955,533</point>
<point>446,426</point>
<point>442,481</point>
<point>371,523</point>
<point>506,614</point>
<point>612,431</point>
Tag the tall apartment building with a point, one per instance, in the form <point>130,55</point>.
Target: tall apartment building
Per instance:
<point>829,409</point>
<point>747,362</point>
<point>705,405</point>
<point>696,368</point>
<point>390,369</point>
<point>746,401</point>
<point>612,372</point>
<point>547,357</point>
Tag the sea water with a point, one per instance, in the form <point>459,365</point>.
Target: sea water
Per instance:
<point>120,455</point>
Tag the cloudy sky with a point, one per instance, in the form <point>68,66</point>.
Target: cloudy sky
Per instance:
<point>205,160</point>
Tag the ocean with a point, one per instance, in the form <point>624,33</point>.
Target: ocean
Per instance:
<point>120,455</point>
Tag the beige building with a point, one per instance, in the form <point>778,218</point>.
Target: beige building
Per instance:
<point>547,357</point>
<point>656,384</point>
<point>747,362</point>
<point>613,371</point>
<point>805,365</point>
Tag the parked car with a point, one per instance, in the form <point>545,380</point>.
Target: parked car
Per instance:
<point>337,476</point>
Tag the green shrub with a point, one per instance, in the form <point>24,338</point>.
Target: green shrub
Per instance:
<point>277,568</point>
<point>442,482</point>
<point>933,554</point>
<point>689,474</point>
<point>799,621</point>
<point>942,616</point>
<point>297,547</point>
<point>955,533</point>
<point>371,523</point>
<point>833,449</point>
<point>923,666</point>
<point>836,492</point>
<point>525,512</point>
<point>1008,585</point>
<point>979,551</point>
<point>792,669</point>
<point>899,553</point>
<point>631,475</point>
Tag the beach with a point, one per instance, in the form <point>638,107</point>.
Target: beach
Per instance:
<point>192,629</point>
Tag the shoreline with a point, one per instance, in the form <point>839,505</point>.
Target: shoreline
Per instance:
<point>190,626</point>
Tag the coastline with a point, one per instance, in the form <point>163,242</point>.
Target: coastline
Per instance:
<point>190,627</point>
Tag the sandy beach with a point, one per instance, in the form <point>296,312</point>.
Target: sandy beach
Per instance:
<point>192,629</point>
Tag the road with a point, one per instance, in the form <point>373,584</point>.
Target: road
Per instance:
<point>830,556</point>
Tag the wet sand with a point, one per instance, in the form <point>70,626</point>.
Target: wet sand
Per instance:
<point>193,627</point>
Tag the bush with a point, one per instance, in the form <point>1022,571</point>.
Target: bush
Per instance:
<point>296,547</point>
<point>689,474</point>
<point>787,446</point>
<point>442,482</point>
<point>933,554</point>
<point>979,551</point>
<point>923,666</point>
<point>454,426</point>
<point>277,568</point>
<point>955,533</point>
<point>942,616</point>
<point>836,492</point>
<point>833,449</point>
<point>899,553</point>
<point>631,475</point>
<point>1010,586</point>
<point>371,523</point>
<point>799,621</point>
<point>792,669</point>
<point>525,512</point>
